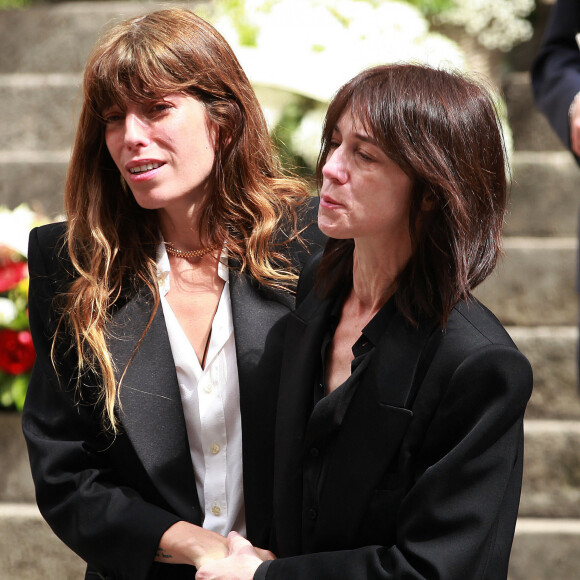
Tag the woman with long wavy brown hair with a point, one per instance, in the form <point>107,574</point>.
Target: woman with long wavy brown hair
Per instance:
<point>155,307</point>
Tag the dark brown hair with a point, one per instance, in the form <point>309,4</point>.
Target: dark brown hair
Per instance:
<point>444,132</point>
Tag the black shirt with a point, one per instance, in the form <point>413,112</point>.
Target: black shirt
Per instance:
<point>329,410</point>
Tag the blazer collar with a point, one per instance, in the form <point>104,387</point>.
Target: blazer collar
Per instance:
<point>259,320</point>
<point>150,407</point>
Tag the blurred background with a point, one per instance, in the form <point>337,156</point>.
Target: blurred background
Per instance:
<point>297,53</point>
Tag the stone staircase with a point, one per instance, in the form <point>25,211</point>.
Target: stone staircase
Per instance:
<point>42,52</point>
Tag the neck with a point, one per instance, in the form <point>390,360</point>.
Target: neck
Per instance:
<point>375,273</point>
<point>181,229</point>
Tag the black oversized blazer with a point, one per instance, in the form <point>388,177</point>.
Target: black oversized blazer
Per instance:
<point>111,499</point>
<point>424,478</point>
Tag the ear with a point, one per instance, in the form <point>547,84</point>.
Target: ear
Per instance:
<point>429,202</point>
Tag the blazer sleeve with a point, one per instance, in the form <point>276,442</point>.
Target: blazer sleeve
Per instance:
<point>457,518</point>
<point>556,69</point>
<point>107,523</point>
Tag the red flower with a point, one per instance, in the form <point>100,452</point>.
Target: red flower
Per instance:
<point>11,273</point>
<point>16,351</point>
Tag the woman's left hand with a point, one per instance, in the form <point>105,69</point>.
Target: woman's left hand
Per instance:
<point>241,564</point>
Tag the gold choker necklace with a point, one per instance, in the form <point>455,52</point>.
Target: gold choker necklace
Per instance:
<point>192,254</point>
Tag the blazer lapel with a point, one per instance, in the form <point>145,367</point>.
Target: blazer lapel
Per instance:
<point>150,411</point>
<point>259,316</point>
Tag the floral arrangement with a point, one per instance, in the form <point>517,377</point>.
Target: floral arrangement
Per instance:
<point>496,24</point>
<point>16,348</point>
<point>297,53</point>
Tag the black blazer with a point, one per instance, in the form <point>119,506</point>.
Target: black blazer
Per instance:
<point>425,475</point>
<point>109,499</point>
<point>556,69</point>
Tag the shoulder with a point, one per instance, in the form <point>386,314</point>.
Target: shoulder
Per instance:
<point>477,325</point>
<point>475,344</point>
<point>47,253</point>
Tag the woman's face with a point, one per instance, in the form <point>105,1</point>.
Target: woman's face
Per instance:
<point>164,149</point>
<point>364,194</point>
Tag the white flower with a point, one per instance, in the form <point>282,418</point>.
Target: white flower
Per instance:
<point>15,225</point>
<point>306,138</point>
<point>8,311</point>
<point>497,24</point>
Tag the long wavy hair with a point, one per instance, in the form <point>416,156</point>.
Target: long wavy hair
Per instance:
<point>111,240</point>
<point>443,130</point>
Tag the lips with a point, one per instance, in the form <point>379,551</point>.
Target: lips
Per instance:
<point>329,202</point>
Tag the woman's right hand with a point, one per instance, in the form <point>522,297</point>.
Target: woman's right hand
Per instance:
<point>185,543</point>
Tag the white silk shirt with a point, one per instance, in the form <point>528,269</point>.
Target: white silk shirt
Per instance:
<point>211,405</point>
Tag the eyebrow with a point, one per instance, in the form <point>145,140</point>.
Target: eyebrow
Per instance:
<point>366,138</point>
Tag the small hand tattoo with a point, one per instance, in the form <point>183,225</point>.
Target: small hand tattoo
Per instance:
<point>163,555</point>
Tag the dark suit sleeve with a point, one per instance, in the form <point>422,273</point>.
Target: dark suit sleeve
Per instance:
<point>457,519</point>
<point>105,522</point>
<point>556,69</point>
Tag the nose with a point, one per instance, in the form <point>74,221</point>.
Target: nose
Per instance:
<point>335,167</point>
<point>136,131</point>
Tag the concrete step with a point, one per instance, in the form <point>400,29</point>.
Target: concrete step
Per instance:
<point>30,550</point>
<point>542,548</point>
<point>545,549</point>
<point>530,128</point>
<point>533,285</point>
<point>39,111</point>
<point>49,38</point>
<point>552,352</point>
<point>551,486</point>
<point>16,482</point>
<point>544,196</point>
<point>34,177</point>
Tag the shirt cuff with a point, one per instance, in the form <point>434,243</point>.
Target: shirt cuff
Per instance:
<point>260,573</point>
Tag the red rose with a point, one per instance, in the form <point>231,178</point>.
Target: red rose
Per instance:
<point>11,273</point>
<point>16,351</point>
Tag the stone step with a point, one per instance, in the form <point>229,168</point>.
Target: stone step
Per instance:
<point>533,285</point>
<point>57,38</point>
<point>551,351</point>
<point>551,486</point>
<point>544,196</point>
<point>39,111</point>
<point>30,550</point>
<point>34,177</point>
<point>542,548</point>
<point>530,128</point>
<point>545,549</point>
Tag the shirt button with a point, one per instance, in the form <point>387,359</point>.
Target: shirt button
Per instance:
<point>312,514</point>
<point>208,388</point>
<point>214,448</point>
<point>216,510</point>
<point>314,452</point>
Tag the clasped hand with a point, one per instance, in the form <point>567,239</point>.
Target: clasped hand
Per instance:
<point>240,564</point>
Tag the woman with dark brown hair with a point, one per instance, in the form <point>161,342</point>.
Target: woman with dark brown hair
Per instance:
<point>399,436</point>
<point>156,308</point>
